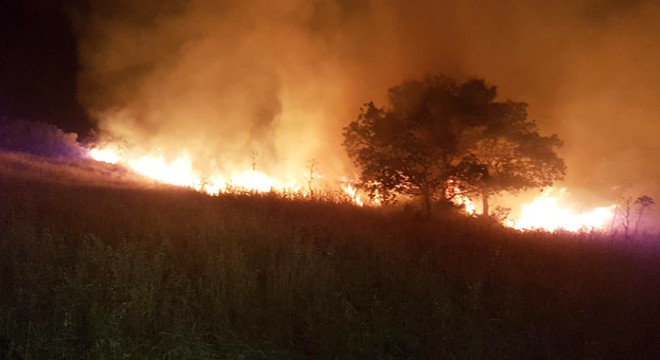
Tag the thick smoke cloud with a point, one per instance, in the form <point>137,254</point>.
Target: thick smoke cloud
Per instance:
<point>224,79</point>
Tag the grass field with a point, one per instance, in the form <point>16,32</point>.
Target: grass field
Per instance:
<point>100,270</point>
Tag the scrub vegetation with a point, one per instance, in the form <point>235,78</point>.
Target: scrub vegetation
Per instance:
<point>114,272</point>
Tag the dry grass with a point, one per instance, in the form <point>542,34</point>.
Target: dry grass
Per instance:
<point>115,272</point>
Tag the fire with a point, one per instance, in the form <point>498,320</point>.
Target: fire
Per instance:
<point>255,181</point>
<point>352,192</point>
<point>460,199</point>
<point>180,172</point>
<point>104,155</point>
<point>546,212</point>
<point>549,212</point>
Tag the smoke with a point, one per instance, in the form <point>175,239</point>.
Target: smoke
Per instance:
<point>40,139</point>
<point>223,80</point>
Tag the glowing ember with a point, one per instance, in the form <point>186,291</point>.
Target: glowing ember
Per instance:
<point>545,212</point>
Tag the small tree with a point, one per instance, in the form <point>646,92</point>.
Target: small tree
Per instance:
<point>312,174</point>
<point>628,211</point>
<point>643,204</point>
<point>624,210</point>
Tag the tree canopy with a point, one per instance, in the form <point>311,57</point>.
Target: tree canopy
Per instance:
<point>437,132</point>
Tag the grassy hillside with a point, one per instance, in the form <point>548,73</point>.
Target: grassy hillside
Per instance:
<point>105,270</point>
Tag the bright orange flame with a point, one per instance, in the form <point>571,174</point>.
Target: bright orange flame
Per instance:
<point>180,172</point>
<point>458,198</point>
<point>104,155</point>
<point>463,201</point>
<point>352,192</point>
<point>546,212</point>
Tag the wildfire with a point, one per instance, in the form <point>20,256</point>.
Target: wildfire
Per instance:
<point>546,212</point>
<point>460,199</point>
<point>180,172</point>
<point>549,212</point>
<point>352,192</point>
<point>104,155</point>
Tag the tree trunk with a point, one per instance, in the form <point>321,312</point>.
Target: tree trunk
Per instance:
<point>426,199</point>
<point>484,202</point>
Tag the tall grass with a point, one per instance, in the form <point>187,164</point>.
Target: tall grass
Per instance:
<point>110,273</point>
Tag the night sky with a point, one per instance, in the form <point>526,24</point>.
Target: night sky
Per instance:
<point>38,64</point>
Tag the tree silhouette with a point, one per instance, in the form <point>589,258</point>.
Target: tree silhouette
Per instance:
<point>436,130</point>
<point>508,154</point>
<point>643,203</point>
<point>312,174</point>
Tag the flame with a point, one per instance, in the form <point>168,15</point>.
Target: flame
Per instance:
<point>377,198</point>
<point>546,212</point>
<point>458,198</point>
<point>463,201</point>
<point>104,155</point>
<point>180,172</point>
<point>352,193</point>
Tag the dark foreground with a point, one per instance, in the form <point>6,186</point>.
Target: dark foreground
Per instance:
<point>115,273</point>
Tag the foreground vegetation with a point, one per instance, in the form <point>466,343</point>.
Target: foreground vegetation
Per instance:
<point>115,273</point>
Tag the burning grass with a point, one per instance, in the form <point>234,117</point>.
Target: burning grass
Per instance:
<point>116,272</point>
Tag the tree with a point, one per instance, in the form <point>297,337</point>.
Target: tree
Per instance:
<point>410,148</point>
<point>437,130</point>
<point>508,154</point>
<point>643,203</point>
<point>312,174</point>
